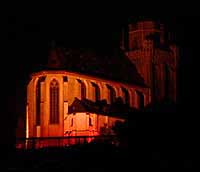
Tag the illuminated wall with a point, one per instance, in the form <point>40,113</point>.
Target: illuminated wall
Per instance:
<point>50,93</point>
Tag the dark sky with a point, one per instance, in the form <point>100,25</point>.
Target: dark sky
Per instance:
<point>30,35</point>
<point>30,30</point>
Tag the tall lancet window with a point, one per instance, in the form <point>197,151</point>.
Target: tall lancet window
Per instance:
<point>96,92</point>
<point>111,94</point>
<point>38,99</point>
<point>126,96</point>
<point>38,92</point>
<point>54,102</point>
<point>167,81</point>
<point>83,89</point>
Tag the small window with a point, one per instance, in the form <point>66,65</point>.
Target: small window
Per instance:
<point>72,122</point>
<point>90,121</point>
<point>65,79</point>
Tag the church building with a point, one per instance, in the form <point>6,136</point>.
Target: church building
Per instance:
<point>80,92</point>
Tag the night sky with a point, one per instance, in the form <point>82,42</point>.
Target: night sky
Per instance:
<point>30,31</point>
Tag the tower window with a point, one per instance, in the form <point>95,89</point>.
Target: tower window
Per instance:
<point>154,82</point>
<point>54,102</point>
<point>134,44</point>
<point>167,81</point>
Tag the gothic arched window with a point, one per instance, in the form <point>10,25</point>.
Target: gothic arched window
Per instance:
<point>38,99</point>
<point>54,102</point>
<point>38,92</point>
<point>96,91</point>
<point>83,89</point>
<point>111,94</point>
<point>126,96</point>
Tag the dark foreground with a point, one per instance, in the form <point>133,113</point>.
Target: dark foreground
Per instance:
<point>96,157</point>
<point>150,143</point>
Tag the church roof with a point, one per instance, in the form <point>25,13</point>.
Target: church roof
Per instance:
<point>111,66</point>
<point>116,110</point>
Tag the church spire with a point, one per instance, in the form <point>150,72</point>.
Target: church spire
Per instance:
<point>53,44</point>
<point>55,56</point>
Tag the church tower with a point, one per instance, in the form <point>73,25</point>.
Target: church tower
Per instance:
<point>148,47</point>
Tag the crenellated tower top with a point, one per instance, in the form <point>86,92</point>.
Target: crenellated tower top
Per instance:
<point>144,30</point>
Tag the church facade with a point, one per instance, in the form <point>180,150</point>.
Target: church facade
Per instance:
<point>64,102</point>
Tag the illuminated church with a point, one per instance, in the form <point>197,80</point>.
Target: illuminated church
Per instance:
<point>79,92</point>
